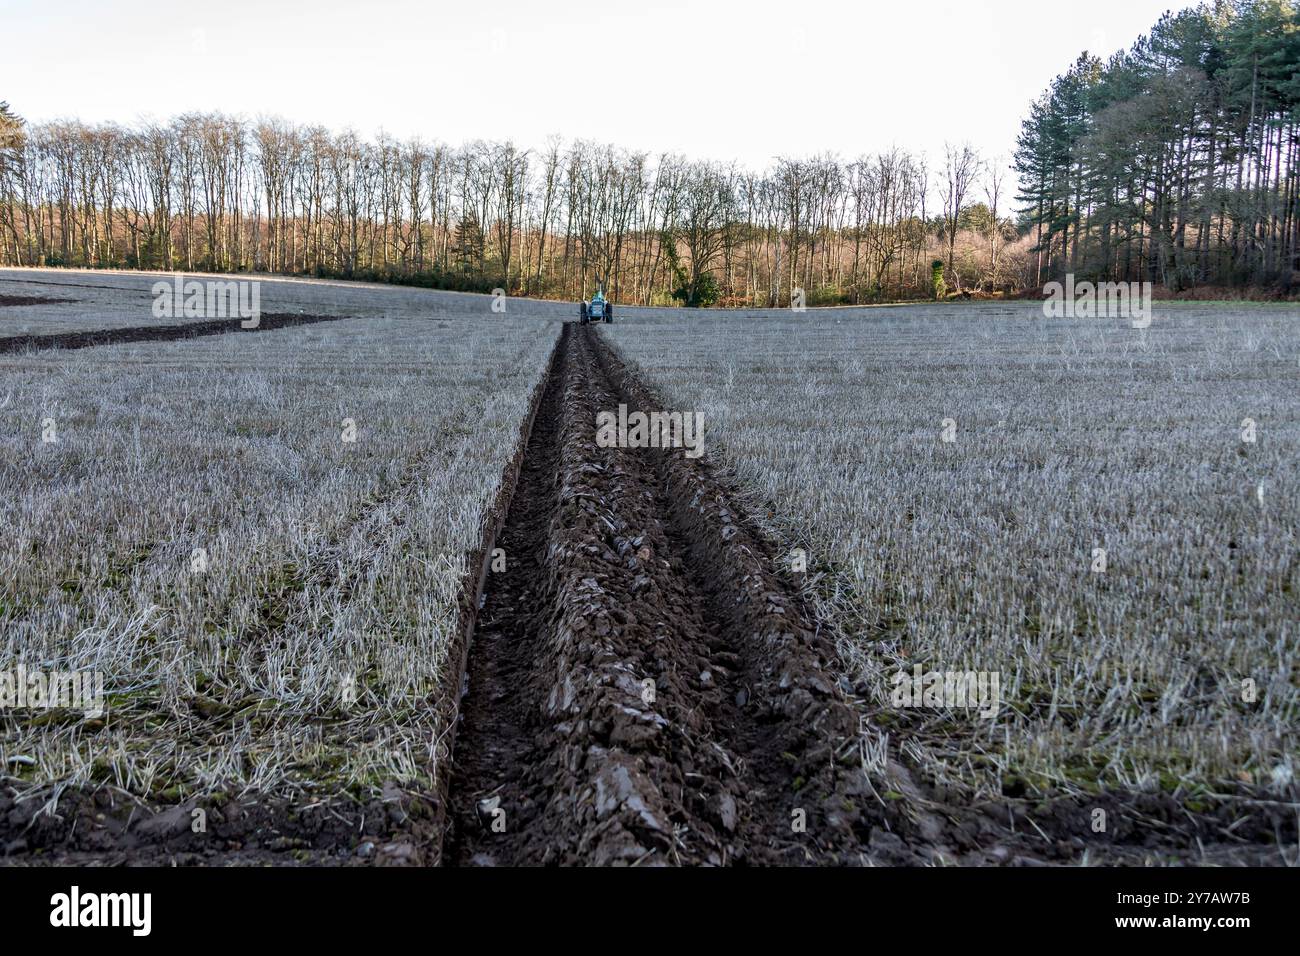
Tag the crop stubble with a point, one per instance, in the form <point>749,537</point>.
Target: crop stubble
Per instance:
<point>626,566</point>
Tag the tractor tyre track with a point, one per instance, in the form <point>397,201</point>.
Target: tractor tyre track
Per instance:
<point>641,687</point>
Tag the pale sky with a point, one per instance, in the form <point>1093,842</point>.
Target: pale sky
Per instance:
<point>742,80</point>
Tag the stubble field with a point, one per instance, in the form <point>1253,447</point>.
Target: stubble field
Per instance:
<point>980,553</point>
<point>269,544</point>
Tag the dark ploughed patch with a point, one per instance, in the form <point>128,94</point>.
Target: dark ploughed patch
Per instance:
<point>107,827</point>
<point>31,300</point>
<point>156,333</point>
<point>641,688</point>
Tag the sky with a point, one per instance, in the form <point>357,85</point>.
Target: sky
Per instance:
<point>743,80</point>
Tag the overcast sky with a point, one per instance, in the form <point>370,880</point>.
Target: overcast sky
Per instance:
<point>723,79</point>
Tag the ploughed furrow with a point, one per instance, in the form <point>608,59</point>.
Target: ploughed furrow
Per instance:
<point>11,300</point>
<point>156,333</point>
<point>641,687</point>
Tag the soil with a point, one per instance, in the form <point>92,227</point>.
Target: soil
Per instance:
<point>154,333</point>
<point>31,300</point>
<point>108,827</point>
<point>641,687</point>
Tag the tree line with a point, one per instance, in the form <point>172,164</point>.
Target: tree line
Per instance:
<point>221,193</point>
<point>1175,161</point>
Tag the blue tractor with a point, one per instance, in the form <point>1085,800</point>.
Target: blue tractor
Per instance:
<point>599,309</point>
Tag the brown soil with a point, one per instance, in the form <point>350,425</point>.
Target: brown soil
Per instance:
<point>155,333</point>
<point>624,567</point>
<point>110,828</point>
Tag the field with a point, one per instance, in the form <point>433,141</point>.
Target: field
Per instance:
<point>277,547</point>
<point>261,594</point>
<point>978,553</point>
<point>37,302</point>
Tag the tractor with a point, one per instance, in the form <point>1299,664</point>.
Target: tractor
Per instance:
<point>599,309</point>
